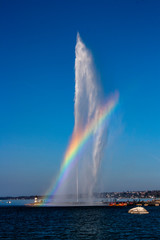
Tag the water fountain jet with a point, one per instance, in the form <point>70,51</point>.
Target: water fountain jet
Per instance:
<point>91,112</point>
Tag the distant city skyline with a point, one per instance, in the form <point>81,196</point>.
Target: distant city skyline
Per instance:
<point>37,57</point>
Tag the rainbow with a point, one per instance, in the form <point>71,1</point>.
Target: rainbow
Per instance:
<point>78,140</point>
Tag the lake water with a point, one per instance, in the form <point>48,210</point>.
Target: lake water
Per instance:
<point>19,222</point>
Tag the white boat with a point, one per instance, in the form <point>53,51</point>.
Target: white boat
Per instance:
<point>138,210</point>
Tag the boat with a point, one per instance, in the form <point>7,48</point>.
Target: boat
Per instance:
<point>138,210</point>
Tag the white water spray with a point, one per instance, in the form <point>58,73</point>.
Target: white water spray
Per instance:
<point>88,101</point>
<point>87,105</point>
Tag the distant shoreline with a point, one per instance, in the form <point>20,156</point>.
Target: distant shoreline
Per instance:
<point>127,194</point>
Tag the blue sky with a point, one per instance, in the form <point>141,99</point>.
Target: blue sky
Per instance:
<point>37,53</point>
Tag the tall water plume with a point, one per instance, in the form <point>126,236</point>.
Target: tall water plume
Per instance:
<point>78,173</point>
<point>87,105</point>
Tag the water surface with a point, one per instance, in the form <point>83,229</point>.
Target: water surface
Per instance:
<point>78,223</point>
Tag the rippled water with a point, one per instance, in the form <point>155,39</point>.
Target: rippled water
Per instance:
<point>78,223</point>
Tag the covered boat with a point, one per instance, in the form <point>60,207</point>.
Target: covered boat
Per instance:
<point>138,210</point>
